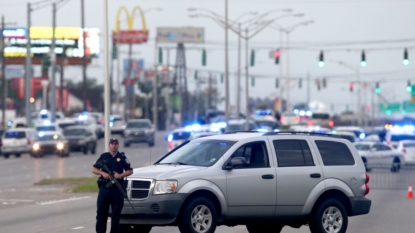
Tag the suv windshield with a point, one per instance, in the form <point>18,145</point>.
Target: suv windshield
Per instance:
<point>46,128</point>
<point>74,132</point>
<point>138,125</point>
<point>198,153</point>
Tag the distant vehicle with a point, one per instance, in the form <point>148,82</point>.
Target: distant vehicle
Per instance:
<point>139,130</point>
<point>289,118</point>
<point>321,119</point>
<point>267,123</point>
<point>240,125</point>
<point>1,144</point>
<point>41,128</point>
<point>177,137</point>
<point>18,141</point>
<point>201,135</point>
<point>265,112</point>
<point>81,138</point>
<point>117,124</point>
<point>63,123</point>
<point>407,147</point>
<point>377,153</point>
<point>379,131</point>
<point>50,142</point>
<point>392,137</point>
<point>358,132</point>
<point>89,120</point>
<point>310,129</point>
<point>348,135</point>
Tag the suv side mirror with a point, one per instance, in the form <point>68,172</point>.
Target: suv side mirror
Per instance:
<point>234,162</point>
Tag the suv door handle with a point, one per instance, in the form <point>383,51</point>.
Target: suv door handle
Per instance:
<point>315,175</point>
<point>268,176</point>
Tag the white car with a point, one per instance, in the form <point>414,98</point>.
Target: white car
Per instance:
<point>392,138</point>
<point>289,118</point>
<point>348,135</point>
<point>407,147</point>
<point>177,137</point>
<point>18,141</point>
<point>359,132</point>
<point>375,154</point>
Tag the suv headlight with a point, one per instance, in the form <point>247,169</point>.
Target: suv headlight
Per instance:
<point>165,186</point>
<point>60,146</point>
<point>36,146</point>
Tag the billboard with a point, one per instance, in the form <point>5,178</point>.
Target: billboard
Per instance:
<point>130,37</point>
<point>69,40</point>
<point>137,65</point>
<point>180,35</point>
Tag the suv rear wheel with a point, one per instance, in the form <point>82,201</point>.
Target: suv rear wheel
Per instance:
<point>198,216</point>
<point>253,228</point>
<point>135,228</point>
<point>329,217</point>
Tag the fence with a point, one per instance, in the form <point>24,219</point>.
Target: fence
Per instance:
<point>381,177</point>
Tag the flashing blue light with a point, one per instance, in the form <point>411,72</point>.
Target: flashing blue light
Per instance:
<point>41,134</point>
<point>46,122</point>
<point>362,135</point>
<point>263,112</point>
<point>43,111</point>
<point>261,130</point>
<point>308,113</point>
<point>10,123</point>
<point>111,124</point>
<point>276,130</point>
<point>82,117</point>
<point>302,113</point>
<point>188,128</point>
<point>194,127</point>
<point>296,111</point>
<point>111,118</point>
<point>221,124</point>
<point>170,138</point>
<point>334,132</point>
<point>84,113</point>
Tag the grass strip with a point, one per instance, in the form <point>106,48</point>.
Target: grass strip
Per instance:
<point>78,184</point>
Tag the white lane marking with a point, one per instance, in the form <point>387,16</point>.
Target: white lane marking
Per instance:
<point>77,228</point>
<point>64,200</point>
<point>16,200</point>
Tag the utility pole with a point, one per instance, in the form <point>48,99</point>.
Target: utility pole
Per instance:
<point>246,79</point>
<point>3,74</point>
<point>127,86</point>
<point>28,78</point>
<point>226,64</point>
<point>155,108</point>
<point>61,79</point>
<point>238,82</point>
<point>84,89</point>
<point>53,61</point>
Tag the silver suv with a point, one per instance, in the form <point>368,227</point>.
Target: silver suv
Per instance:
<point>262,180</point>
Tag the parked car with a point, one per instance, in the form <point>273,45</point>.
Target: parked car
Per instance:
<point>348,135</point>
<point>378,154</point>
<point>262,180</point>
<point>358,132</point>
<point>1,143</point>
<point>81,138</point>
<point>90,121</point>
<point>177,137</point>
<point>289,118</point>
<point>267,123</point>
<point>392,138</point>
<point>50,142</point>
<point>139,130</point>
<point>240,125</point>
<point>407,147</point>
<point>18,141</point>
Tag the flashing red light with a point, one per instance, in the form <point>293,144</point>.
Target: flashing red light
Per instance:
<point>170,145</point>
<point>277,53</point>
<point>309,123</point>
<point>331,123</point>
<point>351,86</point>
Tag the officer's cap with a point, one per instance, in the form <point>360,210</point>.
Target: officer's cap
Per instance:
<point>113,140</point>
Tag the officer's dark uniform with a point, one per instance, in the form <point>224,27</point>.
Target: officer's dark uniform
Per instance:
<point>110,196</point>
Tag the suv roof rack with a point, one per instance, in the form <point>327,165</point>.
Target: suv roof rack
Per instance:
<point>301,132</point>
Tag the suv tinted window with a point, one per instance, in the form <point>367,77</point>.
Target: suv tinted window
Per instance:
<point>181,135</point>
<point>255,154</point>
<point>15,134</point>
<point>334,153</point>
<point>291,153</point>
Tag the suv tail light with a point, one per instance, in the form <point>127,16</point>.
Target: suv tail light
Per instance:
<point>367,188</point>
<point>170,145</point>
<point>281,118</point>
<point>403,150</point>
<point>28,141</point>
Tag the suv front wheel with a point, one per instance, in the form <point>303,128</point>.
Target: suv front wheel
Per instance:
<point>330,216</point>
<point>198,216</point>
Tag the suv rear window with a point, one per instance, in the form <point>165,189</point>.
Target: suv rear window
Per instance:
<point>15,134</point>
<point>293,153</point>
<point>335,153</point>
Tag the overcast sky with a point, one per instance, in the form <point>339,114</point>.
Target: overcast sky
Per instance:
<point>341,28</point>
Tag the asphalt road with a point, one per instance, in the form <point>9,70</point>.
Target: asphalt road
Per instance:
<point>25,207</point>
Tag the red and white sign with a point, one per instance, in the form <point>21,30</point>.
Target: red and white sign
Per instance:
<point>130,36</point>
<point>128,81</point>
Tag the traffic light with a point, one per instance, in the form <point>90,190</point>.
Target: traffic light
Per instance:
<point>277,82</point>
<point>409,86</point>
<point>253,81</point>
<point>321,60</point>
<point>405,57</point>
<point>196,74</point>
<point>221,78</point>
<point>277,55</point>
<point>324,83</point>
<point>114,51</point>
<point>377,89</point>
<point>363,62</point>
<point>300,83</point>
<point>160,56</point>
<point>252,57</point>
<point>46,61</point>
<point>351,86</point>
<point>204,57</point>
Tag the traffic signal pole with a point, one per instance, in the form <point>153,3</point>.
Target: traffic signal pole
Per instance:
<point>84,78</point>
<point>53,61</point>
<point>3,74</point>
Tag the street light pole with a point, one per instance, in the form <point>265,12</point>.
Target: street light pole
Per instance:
<point>53,60</point>
<point>238,79</point>
<point>247,78</point>
<point>28,79</point>
<point>226,64</point>
<point>106,74</point>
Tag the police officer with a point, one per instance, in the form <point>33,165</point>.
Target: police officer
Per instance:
<point>110,195</point>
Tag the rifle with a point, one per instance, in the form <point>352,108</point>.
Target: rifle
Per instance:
<point>104,166</point>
